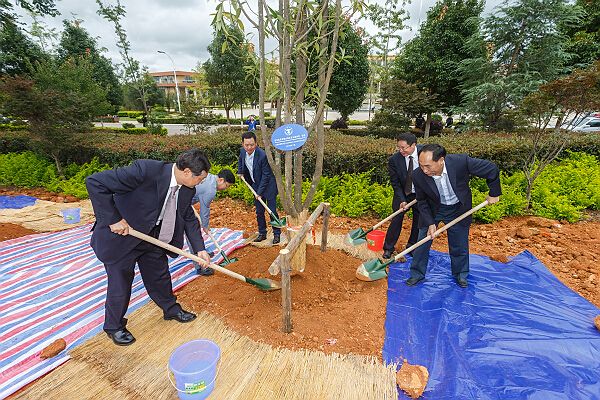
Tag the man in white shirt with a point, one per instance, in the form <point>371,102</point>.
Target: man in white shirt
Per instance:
<point>443,194</point>
<point>206,191</point>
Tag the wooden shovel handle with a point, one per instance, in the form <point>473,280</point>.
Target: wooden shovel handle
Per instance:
<point>256,195</point>
<point>400,210</point>
<point>442,229</point>
<point>209,233</point>
<point>176,250</point>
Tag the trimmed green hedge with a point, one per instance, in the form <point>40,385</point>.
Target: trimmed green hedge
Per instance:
<point>130,114</point>
<point>561,192</point>
<point>343,153</point>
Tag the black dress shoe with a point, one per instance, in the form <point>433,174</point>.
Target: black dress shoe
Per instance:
<point>276,239</point>
<point>205,271</point>
<point>121,337</point>
<point>413,281</point>
<point>462,282</point>
<point>260,238</point>
<point>182,316</point>
<point>387,254</point>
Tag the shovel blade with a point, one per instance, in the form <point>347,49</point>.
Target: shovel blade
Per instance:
<point>226,261</point>
<point>375,265</point>
<point>356,237</point>
<point>278,222</point>
<point>264,284</point>
<point>370,276</point>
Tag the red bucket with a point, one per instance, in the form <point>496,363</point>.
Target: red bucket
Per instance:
<point>375,240</point>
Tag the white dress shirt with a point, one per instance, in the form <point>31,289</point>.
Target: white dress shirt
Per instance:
<point>415,157</point>
<point>249,159</point>
<point>447,195</point>
<point>171,184</point>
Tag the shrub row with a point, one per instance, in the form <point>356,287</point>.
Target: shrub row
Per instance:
<point>210,119</point>
<point>343,153</point>
<point>130,114</point>
<point>561,192</point>
<point>129,129</point>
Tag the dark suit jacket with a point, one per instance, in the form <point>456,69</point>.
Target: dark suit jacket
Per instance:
<point>397,169</point>
<point>264,181</point>
<point>460,168</point>
<point>137,194</point>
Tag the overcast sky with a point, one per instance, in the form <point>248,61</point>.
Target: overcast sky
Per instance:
<point>179,27</point>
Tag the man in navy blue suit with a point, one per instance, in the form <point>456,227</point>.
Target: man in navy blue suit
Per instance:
<point>401,167</point>
<point>443,194</point>
<point>254,166</point>
<point>155,198</point>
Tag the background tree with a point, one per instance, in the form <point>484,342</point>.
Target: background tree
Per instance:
<point>563,100</point>
<point>524,48</point>
<point>583,45</point>
<point>75,42</point>
<point>225,72</point>
<point>153,94</point>
<point>18,53</point>
<point>133,74</point>
<point>431,59</point>
<point>41,7</point>
<point>389,20</point>
<point>350,79</point>
<point>59,101</point>
<point>400,102</point>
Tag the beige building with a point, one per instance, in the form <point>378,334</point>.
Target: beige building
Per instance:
<point>185,83</point>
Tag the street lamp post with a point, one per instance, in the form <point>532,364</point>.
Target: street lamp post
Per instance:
<point>175,77</point>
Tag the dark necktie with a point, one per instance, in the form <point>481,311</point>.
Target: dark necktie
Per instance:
<point>409,172</point>
<point>168,222</point>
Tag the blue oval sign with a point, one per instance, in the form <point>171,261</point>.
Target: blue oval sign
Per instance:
<point>289,137</point>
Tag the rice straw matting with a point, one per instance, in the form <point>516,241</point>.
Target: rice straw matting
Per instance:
<point>248,370</point>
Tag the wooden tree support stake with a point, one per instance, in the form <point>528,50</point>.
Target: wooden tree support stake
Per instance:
<point>326,213</point>
<point>296,240</point>
<point>286,290</point>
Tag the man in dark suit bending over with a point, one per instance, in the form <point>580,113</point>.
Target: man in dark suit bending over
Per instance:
<point>155,198</point>
<point>401,167</point>
<point>443,194</point>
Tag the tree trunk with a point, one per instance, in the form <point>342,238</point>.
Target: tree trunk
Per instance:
<point>427,126</point>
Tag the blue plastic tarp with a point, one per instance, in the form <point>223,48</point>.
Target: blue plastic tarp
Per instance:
<point>516,332</point>
<point>19,201</point>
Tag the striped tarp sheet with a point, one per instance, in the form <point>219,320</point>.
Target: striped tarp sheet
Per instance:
<point>52,286</point>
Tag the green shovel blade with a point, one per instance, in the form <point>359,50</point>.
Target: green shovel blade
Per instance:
<point>356,236</point>
<point>278,222</point>
<point>370,276</point>
<point>376,264</point>
<point>226,260</point>
<point>263,284</point>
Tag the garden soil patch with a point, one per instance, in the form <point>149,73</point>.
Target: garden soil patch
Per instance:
<point>11,231</point>
<point>331,310</point>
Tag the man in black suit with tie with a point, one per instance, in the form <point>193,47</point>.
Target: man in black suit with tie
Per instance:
<point>443,194</point>
<point>254,166</point>
<point>155,198</point>
<point>401,166</point>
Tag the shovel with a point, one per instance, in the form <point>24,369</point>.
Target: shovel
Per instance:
<point>373,270</point>
<point>261,283</point>
<point>277,222</point>
<point>357,236</point>
<point>226,260</point>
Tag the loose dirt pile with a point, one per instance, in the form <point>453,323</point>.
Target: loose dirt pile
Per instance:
<point>331,310</point>
<point>10,231</point>
<point>412,379</point>
<point>54,348</point>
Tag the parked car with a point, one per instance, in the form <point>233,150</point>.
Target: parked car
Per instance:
<point>588,125</point>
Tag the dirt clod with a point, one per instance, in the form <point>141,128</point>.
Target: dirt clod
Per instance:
<point>412,379</point>
<point>53,349</point>
<point>523,233</point>
<point>597,322</point>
